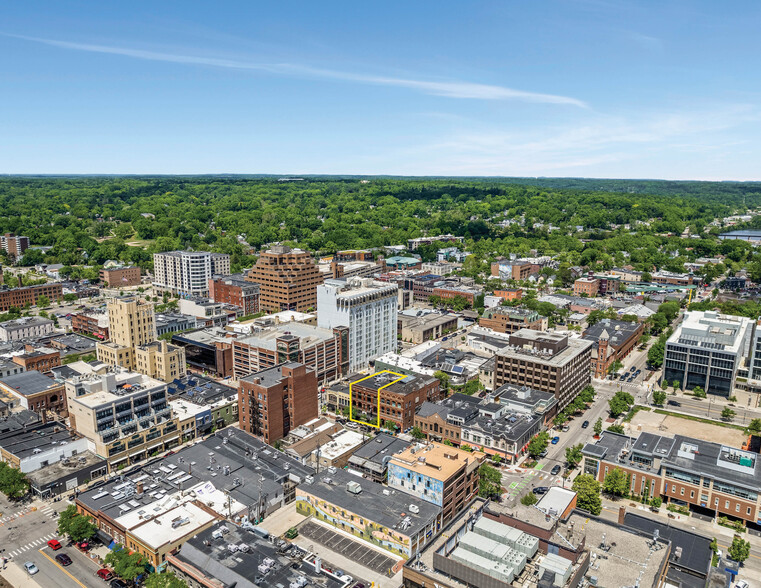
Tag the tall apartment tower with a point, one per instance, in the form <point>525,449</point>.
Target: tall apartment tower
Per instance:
<point>368,308</point>
<point>287,278</point>
<point>187,273</point>
<point>274,401</point>
<point>133,342</point>
<point>14,245</point>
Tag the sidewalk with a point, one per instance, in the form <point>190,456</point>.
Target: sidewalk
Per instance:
<point>17,577</point>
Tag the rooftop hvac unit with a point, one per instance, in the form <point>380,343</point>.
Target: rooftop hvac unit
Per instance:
<point>414,508</point>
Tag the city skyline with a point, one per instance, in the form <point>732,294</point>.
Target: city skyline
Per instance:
<point>585,88</point>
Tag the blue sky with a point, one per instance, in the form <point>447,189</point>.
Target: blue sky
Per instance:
<point>596,88</point>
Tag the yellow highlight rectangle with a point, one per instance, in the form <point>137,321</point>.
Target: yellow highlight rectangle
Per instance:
<point>351,391</point>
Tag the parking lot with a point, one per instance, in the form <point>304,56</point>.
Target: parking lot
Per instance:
<point>349,548</point>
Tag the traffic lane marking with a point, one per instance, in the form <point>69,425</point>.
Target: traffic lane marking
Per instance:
<point>42,551</point>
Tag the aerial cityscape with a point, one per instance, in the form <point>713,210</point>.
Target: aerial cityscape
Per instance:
<point>385,296</point>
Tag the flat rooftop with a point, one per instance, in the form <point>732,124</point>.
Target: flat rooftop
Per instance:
<point>40,438</point>
<point>435,460</point>
<point>210,554</point>
<point>406,384</point>
<point>172,525</point>
<point>308,335</point>
<point>28,383</point>
<point>55,471</point>
<point>380,504</point>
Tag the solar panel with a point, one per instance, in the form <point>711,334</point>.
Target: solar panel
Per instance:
<point>457,369</point>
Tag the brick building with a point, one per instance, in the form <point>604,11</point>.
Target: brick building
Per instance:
<point>399,397</point>
<point>548,362</point>
<point>235,290</point>
<point>506,319</point>
<point>613,341</point>
<point>274,401</point>
<point>19,297</point>
<point>91,322</point>
<point>41,359</point>
<point>709,478</point>
<point>509,294</point>
<point>120,277</point>
<point>34,391</point>
<point>14,245</point>
<point>287,278</point>
<point>324,350</point>
<point>439,474</point>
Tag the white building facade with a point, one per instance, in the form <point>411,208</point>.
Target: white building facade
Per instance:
<point>368,308</point>
<point>187,273</point>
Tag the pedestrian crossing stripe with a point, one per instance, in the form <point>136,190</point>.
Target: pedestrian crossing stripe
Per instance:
<point>32,544</point>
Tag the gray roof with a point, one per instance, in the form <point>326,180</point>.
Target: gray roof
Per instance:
<point>408,384</point>
<point>376,452</point>
<point>211,556</point>
<point>246,457</point>
<point>24,442</point>
<point>371,502</point>
<point>200,389</point>
<point>618,332</point>
<point>696,550</point>
<point>271,376</point>
<point>28,383</point>
<point>428,409</point>
<point>18,420</point>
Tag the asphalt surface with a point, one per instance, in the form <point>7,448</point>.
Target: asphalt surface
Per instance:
<point>79,574</point>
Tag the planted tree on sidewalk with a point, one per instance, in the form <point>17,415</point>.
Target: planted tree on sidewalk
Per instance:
<point>659,397</point>
<point>489,481</point>
<point>598,426</point>
<point>77,526</point>
<point>616,482</point>
<point>164,580</point>
<point>573,455</point>
<point>754,427</point>
<point>587,493</point>
<point>128,566</point>
<point>740,549</point>
<point>698,392</point>
<point>528,499</point>
<point>538,444</point>
<point>13,482</point>
<point>728,414</point>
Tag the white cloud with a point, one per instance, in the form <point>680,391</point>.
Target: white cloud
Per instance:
<point>449,89</point>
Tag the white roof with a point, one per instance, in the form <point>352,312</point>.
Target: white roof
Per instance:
<point>160,530</point>
<point>340,444</point>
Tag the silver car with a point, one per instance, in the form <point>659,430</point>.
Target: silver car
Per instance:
<point>30,568</point>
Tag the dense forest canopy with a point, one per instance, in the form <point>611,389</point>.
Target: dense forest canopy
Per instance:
<point>91,219</point>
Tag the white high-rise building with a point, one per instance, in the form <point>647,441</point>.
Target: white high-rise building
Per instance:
<point>187,273</point>
<point>368,308</point>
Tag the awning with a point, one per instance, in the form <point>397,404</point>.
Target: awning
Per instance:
<point>118,460</point>
<point>171,439</point>
<point>154,446</point>
<point>138,452</point>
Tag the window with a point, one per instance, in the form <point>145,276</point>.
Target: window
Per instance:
<point>737,507</point>
<point>682,491</point>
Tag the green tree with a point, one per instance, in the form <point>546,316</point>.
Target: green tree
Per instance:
<point>656,502</point>
<point>698,392</point>
<point>587,493</point>
<point>528,499</point>
<point>598,426</point>
<point>655,354</point>
<point>659,397</point>
<point>164,580</point>
<point>616,482</point>
<point>538,444</point>
<point>417,433</point>
<point>126,565</point>
<point>573,455</point>
<point>728,414</point>
<point>676,384</point>
<point>754,427</point>
<point>43,301</point>
<point>443,380</point>
<point>615,366</point>
<point>77,526</point>
<point>497,459</point>
<point>740,549</point>
<point>620,403</point>
<point>489,481</point>
<point>617,429</point>
<point>13,482</point>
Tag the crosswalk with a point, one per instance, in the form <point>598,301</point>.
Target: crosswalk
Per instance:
<point>12,517</point>
<point>36,544</point>
<point>49,512</point>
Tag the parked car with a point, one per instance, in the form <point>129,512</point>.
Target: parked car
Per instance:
<point>63,559</point>
<point>30,568</point>
<point>555,440</point>
<point>742,584</point>
<point>585,424</point>
<point>540,490</point>
<point>118,583</point>
<point>555,470</point>
<point>54,544</point>
<point>104,574</point>
<point>543,453</point>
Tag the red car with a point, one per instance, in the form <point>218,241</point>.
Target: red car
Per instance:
<point>84,546</point>
<point>54,545</point>
<point>104,574</point>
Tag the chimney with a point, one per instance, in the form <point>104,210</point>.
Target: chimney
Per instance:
<point>139,487</point>
<point>621,515</point>
<point>20,281</point>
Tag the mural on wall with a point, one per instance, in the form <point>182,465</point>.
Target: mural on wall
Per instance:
<point>423,487</point>
<point>388,539</point>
